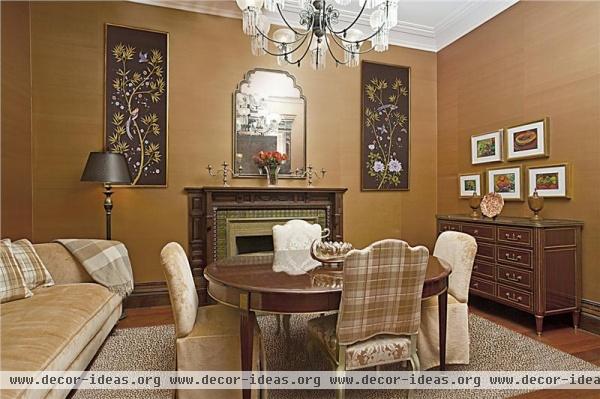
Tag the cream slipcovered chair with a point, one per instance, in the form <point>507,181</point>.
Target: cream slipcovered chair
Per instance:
<point>295,234</point>
<point>380,310</point>
<point>458,250</point>
<point>207,338</point>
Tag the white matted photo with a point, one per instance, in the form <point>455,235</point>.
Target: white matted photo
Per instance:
<point>470,184</point>
<point>549,181</point>
<point>486,147</point>
<point>527,141</point>
<point>507,182</point>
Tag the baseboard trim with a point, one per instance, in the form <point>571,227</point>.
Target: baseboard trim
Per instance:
<point>590,316</point>
<point>151,293</point>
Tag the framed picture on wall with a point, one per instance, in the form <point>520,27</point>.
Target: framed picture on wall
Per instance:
<point>385,127</point>
<point>529,140</point>
<point>486,147</point>
<point>469,184</point>
<point>135,101</point>
<point>508,182</point>
<point>549,180</point>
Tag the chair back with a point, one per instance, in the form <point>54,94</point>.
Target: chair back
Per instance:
<point>458,249</point>
<point>182,291</point>
<point>382,291</point>
<point>295,234</point>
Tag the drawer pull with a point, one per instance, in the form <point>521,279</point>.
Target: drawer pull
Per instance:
<point>513,257</point>
<point>475,267</point>
<point>513,237</point>
<point>475,285</point>
<point>513,277</point>
<point>475,232</point>
<point>514,297</point>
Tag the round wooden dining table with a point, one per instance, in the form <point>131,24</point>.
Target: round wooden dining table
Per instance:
<point>289,283</point>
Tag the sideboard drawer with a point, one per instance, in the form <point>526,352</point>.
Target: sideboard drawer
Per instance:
<point>479,231</point>
<point>516,236</point>
<point>486,251</point>
<point>515,277</point>
<point>517,298</point>
<point>484,269</point>
<point>515,257</point>
<point>487,288</point>
<point>449,226</point>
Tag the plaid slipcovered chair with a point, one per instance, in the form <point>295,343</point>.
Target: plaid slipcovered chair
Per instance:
<point>458,250</point>
<point>380,310</point>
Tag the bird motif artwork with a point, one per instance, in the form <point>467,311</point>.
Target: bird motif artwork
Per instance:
<point>136,107</point>
<point>132,118</point>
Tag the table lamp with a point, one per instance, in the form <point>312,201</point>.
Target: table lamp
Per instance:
<point>107,168</point>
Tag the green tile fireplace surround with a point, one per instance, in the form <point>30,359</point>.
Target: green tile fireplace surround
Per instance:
<point>219,216</point>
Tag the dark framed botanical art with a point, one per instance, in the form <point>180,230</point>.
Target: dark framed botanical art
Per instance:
<point>135,103</point>
<point>385,121</point>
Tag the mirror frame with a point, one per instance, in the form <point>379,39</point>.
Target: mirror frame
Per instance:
<point>233,119</point>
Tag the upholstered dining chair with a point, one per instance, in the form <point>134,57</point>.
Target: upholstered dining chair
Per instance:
<point>295,234</point>
<point>207,337</point>
<point>380,310</point>
<point>458,250</point>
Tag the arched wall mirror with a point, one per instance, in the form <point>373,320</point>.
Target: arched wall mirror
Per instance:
<point>269,114</point>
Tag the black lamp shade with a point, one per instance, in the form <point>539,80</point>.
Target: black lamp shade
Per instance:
<point>106,167</point>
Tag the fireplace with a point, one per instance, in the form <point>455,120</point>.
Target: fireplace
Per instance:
<point>251,235</point>
<point>227,221</point>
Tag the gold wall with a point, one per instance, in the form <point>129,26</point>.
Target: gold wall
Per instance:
<point>536,59</point>
<point>16,209</point>
<point>208,57</point>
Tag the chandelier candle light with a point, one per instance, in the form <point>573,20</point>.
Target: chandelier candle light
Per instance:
<point>319,32</point>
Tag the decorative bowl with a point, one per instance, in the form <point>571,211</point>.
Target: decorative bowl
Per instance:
<point>491,205</point>
<point>329,252</point>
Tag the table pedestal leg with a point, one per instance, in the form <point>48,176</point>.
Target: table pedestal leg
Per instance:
<point>247,320</point>
<point>443,310</point>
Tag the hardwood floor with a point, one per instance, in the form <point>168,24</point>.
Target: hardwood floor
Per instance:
<point>558,333</point>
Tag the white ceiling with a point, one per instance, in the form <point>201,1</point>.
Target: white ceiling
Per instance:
<point>427,25</point>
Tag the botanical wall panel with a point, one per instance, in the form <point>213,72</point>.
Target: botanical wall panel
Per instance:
<point>136,101</point>
<point>385,113</point>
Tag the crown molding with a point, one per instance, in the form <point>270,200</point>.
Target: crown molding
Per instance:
<point>461,21</point>
<point>468,18</point>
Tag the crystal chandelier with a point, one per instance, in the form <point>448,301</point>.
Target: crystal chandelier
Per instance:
<point>319,34</point>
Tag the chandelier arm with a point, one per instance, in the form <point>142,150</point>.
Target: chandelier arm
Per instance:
<point>302,37</point>
<point>288,52</point>
<point>358,41</point>
<point>352,52</point>
<point>297,62</point>
<point>360,13</point>
<point>290,26</point>
<point>337,62</point>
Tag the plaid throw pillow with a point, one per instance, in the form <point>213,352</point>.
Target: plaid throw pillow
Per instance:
<point>34,272</point>
<point>12,284</point>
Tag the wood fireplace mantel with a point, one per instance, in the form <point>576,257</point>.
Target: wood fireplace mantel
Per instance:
<point>207,205</point>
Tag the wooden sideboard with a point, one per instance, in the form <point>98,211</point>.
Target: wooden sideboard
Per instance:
<point>209,205</point>
<point>534,266</point>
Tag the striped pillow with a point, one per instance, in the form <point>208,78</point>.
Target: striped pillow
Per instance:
<point>12,284</point>
<point>34,272</point>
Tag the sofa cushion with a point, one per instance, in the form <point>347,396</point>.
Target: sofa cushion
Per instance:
<point>49,330</point>
<point>12,283</point>
<point>33,269</point>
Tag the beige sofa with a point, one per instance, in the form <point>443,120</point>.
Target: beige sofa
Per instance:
<point>59,327</point>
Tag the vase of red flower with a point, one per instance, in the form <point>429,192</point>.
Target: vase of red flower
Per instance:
<point>270,162</point>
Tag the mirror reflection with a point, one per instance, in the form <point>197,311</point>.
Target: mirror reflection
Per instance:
<point>269,115</point>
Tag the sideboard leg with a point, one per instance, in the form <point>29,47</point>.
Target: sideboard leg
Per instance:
<point>539,324</point>
<point>576,316</point>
